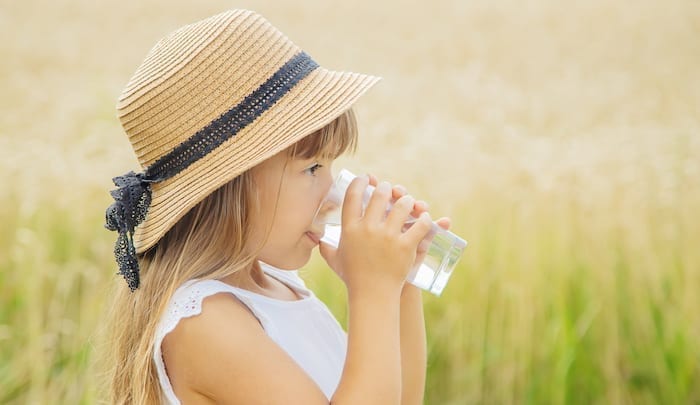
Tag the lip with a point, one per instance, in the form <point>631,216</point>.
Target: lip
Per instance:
<point>314,237</point>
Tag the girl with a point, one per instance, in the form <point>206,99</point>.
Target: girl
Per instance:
<point>236,129</point>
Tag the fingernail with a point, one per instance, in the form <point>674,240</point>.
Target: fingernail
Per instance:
<point>384,186</point>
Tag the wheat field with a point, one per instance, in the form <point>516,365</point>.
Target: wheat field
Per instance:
<point>562,137</point>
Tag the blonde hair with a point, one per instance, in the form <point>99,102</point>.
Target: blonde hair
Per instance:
<point>209,242</point>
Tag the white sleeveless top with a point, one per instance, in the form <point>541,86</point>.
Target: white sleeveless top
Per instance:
<point>305,328</point>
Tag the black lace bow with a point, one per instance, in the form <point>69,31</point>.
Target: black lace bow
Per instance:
<point>131,201</point>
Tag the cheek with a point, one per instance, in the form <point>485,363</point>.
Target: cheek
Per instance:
<point>270,199</point>
<point>262,213</point>
<point>296,211</point>
<point>292,210</point>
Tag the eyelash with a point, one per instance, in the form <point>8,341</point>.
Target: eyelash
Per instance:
<point>312,169</point>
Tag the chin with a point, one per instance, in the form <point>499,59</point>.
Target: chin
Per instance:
<point>289,262</point>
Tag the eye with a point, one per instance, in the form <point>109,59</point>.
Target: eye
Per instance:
<point>312,170</point>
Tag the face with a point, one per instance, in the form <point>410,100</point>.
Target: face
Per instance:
<point>290,191</point>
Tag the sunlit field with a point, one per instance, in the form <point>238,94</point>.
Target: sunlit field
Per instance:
<point>562,138</point>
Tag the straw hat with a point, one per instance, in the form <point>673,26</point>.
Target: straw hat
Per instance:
<point>211,100</point>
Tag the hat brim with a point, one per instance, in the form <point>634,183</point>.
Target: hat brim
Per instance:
<point>310,105</point>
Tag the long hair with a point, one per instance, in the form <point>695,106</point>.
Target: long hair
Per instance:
<point>209,242</point>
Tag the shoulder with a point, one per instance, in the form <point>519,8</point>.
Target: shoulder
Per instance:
<point>187,302</point>
<point>225,353</point>
<point>194,341</point>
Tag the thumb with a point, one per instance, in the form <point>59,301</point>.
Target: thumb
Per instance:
<point>330,255</point>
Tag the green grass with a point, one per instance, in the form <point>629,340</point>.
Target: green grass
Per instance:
<point>54,281</point>
<point>568,308</point>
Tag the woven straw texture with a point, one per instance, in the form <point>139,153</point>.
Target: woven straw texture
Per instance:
<point>199,72</point>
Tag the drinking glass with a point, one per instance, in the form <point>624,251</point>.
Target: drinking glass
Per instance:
<point>444,251</point>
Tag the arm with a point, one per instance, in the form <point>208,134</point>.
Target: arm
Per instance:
<point>375,324</point>
<point>413,352</point>
<point>413,338</point>
<point>373,359</point>
<point>413,346</point>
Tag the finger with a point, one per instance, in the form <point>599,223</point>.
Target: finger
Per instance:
<point>352,206</point>
<point>397,192</point>
<point>444,223</point>
<point>419,207</point>
<point>420,256</point>
<point>400,212</point>
<point>420,229</point>
<point>373,180</point>
<point>376,208</point>
<point>424,245</point>
<point>328,253</point>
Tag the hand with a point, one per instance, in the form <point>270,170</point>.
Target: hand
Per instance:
<point>376,250</point>
<point>419,207</point>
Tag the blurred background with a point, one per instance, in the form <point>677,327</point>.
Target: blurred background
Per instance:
<point>562,137</point>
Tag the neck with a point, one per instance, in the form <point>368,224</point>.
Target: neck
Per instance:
<point>253,279</point>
